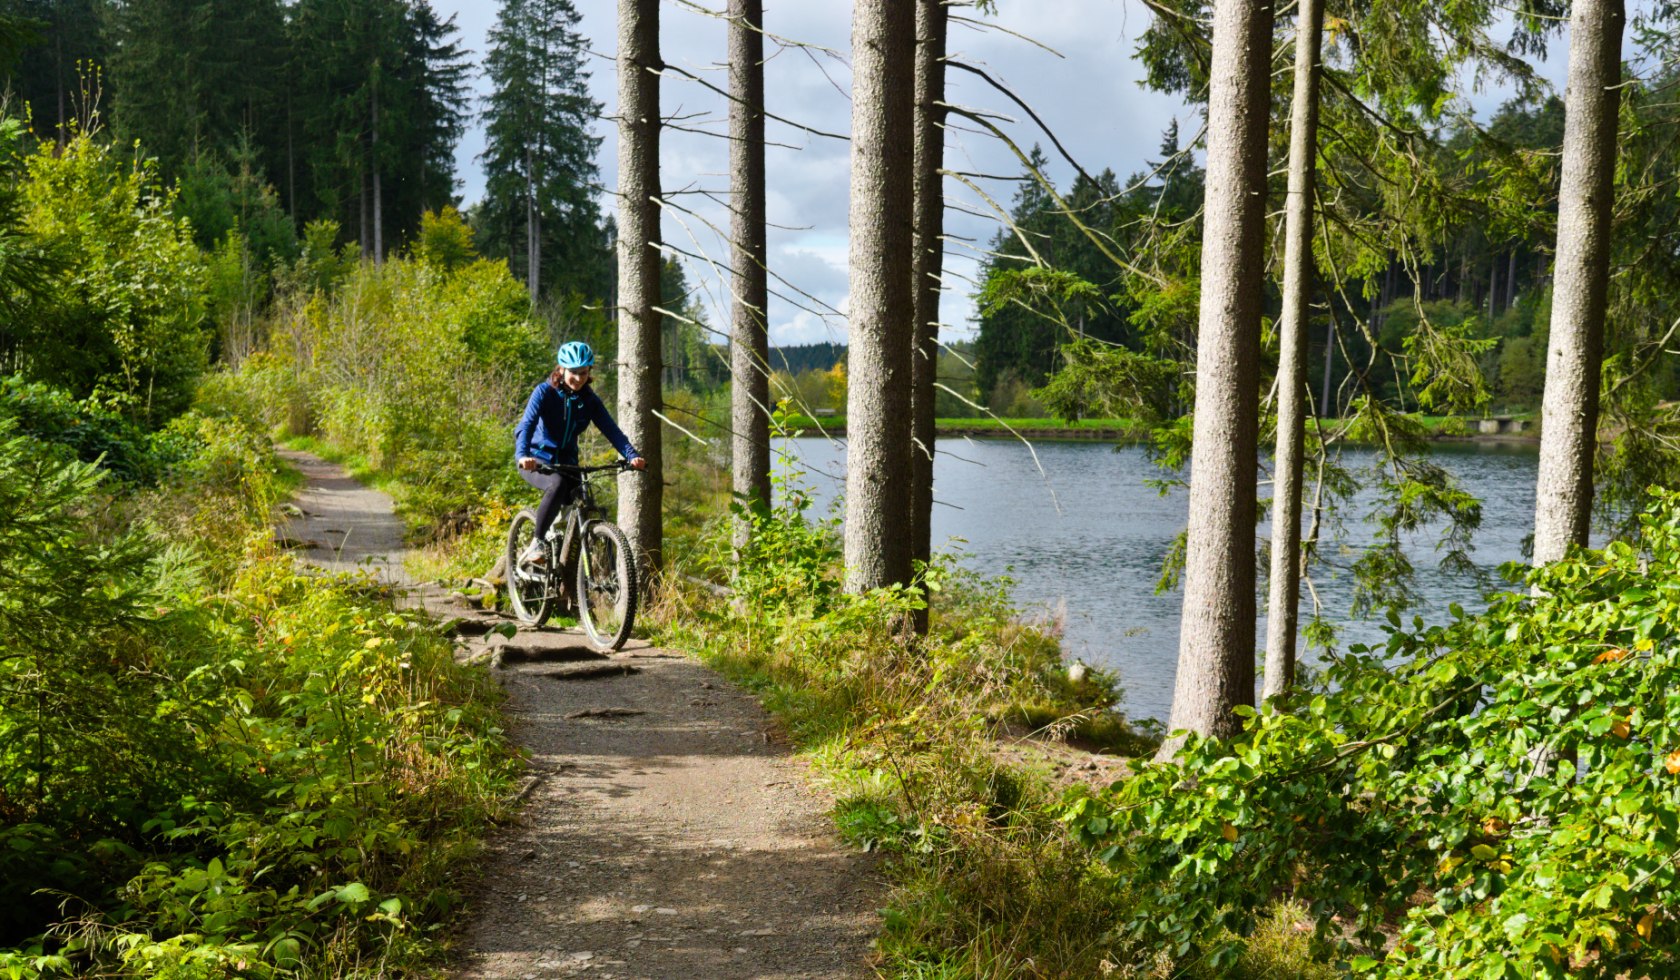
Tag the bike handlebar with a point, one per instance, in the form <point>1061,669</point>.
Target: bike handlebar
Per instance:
<point>620,466</point>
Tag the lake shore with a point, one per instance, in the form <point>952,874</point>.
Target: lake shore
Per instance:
<point>1081,528</point>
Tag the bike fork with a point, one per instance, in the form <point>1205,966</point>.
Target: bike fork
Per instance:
<point>583,549</point>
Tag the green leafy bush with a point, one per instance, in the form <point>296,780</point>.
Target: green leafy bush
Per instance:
<point>445,240</point>
<point>125,318</point>
<point>216,766</point>
<point>225,467</point>
<point>87,430</point>
<point>1495,797</point>
<point>415,369</point>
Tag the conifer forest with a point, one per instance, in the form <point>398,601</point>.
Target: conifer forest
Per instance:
<point>237,234</point>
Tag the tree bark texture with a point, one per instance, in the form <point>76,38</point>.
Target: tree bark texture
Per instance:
<point>378,185</point>
<point>926,266</point>
<point>364,240</point>
<point>749,341</point>
<point>1569,407</point>
<point>1493,288</point>
<point>58,51</point>
<point>532,261</point>
<point>877,536</point>
<point>1216,633</point>
<point>641,495</point>
<point>1326,400</point>
<point>1283,601</point>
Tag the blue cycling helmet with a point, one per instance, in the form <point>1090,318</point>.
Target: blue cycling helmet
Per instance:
<point>575,354</point>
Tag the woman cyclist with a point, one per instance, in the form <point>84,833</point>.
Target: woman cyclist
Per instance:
<point>560,408</point>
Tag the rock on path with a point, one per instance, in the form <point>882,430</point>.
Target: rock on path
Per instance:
<point>665,833</point>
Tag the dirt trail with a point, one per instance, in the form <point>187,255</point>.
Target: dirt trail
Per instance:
<point>666,833</point>
<point>342,525</point>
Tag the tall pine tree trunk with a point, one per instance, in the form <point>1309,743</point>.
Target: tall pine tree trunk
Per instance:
<point>533,207</point>
<point>536,252</point>
<point>531,247</point>
<point>366,223</point>
<point>749,343</point>
<point>877,538</point>
<point>1216,632</point>
<point>641,495</point>
<point>291,165</point>
<point>378,196</point>
<point>1283,601</point>
<point>58,61</point>
<point>926,266</point>
<point>1325,408</point>
<point>1493,287</point>
<point>1569,412</point>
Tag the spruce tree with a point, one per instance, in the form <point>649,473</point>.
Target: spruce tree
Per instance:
<point>376,106</point>
<point>539,209</point>
<point>1283,602</point>
<point>749,343</point>
<point>423,115</point>
<point>641,495</point>
<point>926,267</point>
<point>196,78</point>
<point>1216,633</point>
<point>68,38</point>
<point>877,538</point>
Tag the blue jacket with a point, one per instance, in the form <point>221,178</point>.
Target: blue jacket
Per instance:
<point>555,417</point>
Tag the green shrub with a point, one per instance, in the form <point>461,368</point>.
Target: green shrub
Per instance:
<point>87,430</point>
<point>220,494</point>
<point>265,391</point>
<point>414,369</point>
<point>1502,791</point>
<point>126,318</point>
<point>211,763</point>
<point>83,752</point>
<point>445,240</point>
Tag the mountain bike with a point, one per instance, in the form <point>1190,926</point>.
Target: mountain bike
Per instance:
<point>587,552</point>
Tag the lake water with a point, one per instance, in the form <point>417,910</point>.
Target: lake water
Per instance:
<point>1084,539</point>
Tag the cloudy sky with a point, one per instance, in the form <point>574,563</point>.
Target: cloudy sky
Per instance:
<point>1085,86</point>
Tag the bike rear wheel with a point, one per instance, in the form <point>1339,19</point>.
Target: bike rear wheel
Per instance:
<point>606,585</point>
<point>529,589</point>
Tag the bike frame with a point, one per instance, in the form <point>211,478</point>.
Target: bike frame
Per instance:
<point>579,514</point>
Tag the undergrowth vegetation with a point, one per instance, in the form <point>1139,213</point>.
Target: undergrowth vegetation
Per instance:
<point>413,367</point>
<point>213,764</point>
<point>989,882</point>
<point>1494,797</point>
<point>1498,796</point>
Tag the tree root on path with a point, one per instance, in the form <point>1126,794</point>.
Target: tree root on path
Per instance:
<point>604,713</point>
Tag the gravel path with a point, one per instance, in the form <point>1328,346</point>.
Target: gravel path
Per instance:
<point>340,524</point>
<point>666,832</point>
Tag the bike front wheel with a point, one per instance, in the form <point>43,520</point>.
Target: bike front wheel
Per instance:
<point>530,595</point>
<point>606,585</point>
